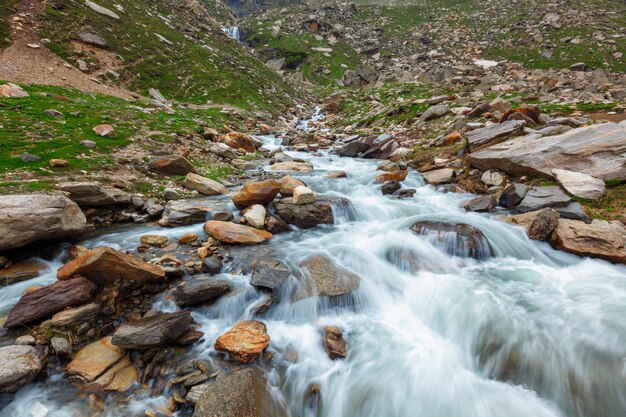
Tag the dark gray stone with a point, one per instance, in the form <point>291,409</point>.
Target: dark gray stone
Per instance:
<point>200,290</point>
<point>542,197</point>
<point>270,274</point>
<point>513,195</point>
<point>495,133</point>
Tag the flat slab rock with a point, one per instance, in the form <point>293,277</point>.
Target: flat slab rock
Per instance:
<point>232,233</point>
<point>204,185</point>
<point>152,331</point>
<point>438,176</point>
<point>19,365</point>
<point>541,197</point>
<point>495,133</point>
<point>321,277</point>
<point>579,184</point>
<point>597,150</point>
<point>599,239</point>
<point>200,290</point>
<point>93,194</point>
<point>243,393</point>
<point>245,341</point>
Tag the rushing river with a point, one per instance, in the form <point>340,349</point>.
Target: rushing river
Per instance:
<point>531,332</point>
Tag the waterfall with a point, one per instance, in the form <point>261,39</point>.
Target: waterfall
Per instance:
<point>232,32</point>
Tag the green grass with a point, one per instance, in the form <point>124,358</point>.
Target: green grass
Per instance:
<point>202,67</point>
<point>612,206</point>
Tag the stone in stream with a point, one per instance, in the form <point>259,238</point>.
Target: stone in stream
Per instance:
<point>255,216</point>
<point>337,174</point>
<point>292,166</point>
<point>233,233</point>
<point>212,265</point>
<point>93,194</point>
<point>61,347</point>
<point>398,175</point>
<point>204,185</point>
<point>171,165</point>
<point>276,225</point>
<point>579,184</point>
<point>21,271</point>
<point>240,141</point>
<point>538,224</point>
<point>270,274</point>
<point>310,215</point>
<point>73,316</point>
<point>600,239</point>
<point>181,213</point>
<point>152,331</point>
<point>243,393</point>
<point>261,192</point>
<point>106,265</point>
<point>200,290</point>
<point>289,183</point>
<point>481,203</point>
<point>596,150</point>
<point>29,218</point>
<point>513,195</point>
<point>43,302</point>
<point>334,343</point>
<point>19,365</point>
<point>353,149</point>
<point>321,277</point>
<point>541,197</point>
<point>158,241</point>
<point>495,133</point>
<point>456,239</point>
<point>303,195</point>
<point>390,187</point>
<point>438,176</point>
<point>102,366</point>
<point>245,341</point>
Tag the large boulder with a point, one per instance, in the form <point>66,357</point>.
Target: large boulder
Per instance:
<point>538,224</point>
<point>236,234</point>
<point>30,218</point>
<point>93,194</point>
<point>321,277</point>
<point>245,341</point>
<point>438,176</point>
<point>104,367</point>
<point>19,365</point>
<point>457,239</point>
<point>171,165</point>
<point>200,290</point>
<point>310,215</point>
<point>152,331</point>
<point>204,185</point>
<point>106,265</point>
<point>541,197</point>
<point>243,393</point>
<point>353,148</point>
<point>579,184</point>
<point>261,192</point>
<point>45,301</point>
<point>598,150</point>
<point>181,213</point>
<point>495,133</point>
<point>270,274</point>
<point>240,141</point>
<point>600,239</point>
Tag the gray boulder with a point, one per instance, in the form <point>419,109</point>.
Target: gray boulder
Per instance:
<point>495,133</point>
<point>200,290</point>
<point>19,365</point>
<point>321,277</point>
<point>541,197</point>
<point>93,194</point>
<point>310,215</point>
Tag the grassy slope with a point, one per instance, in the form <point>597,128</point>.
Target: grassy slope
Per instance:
<point>26,128</point>
<point>201,67</point>
<point>6,9</point>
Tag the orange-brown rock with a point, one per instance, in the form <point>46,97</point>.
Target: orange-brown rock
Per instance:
<point>261,192</point>
<point>12,90</point>
<point>452,137</point>
<point>399,175</point>
<point>105,265</point>
<point>289,183</point>
<point>531,112</point>
<point>58,163</point>
<point>337,174</point>
<point>237,140</point>
<point>245,341</point>
<point>232,233</point>
<point>265,129</point>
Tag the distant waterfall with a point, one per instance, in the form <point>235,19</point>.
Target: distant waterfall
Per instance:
<point>233,32</point>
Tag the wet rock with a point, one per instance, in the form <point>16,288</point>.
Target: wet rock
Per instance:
<point>398,175</point>
<point>434,112</point>
<point>73,316</point>
<point>261,192</point>
<point>200,290</point>
<point>171,165</point>
<point>334,343</point>
<point>579,184</point>
<point>106,265</point>
<point>19,365</point>
<point>104,367</point>
<point>600,239</point>
<point>456,239</point>
<point>390,187</point>
<point>438,176</point>
<point>255,216</point>
<point>158,241</point>
<point>539,224</point>
<point>204,185</point>
<point>541,197</point>
<point>212,265</point>
<point>152,331</point>
<point>289,183</point>
<point>481,203</point>
<point>240,141</point>
<point>321,277</point>
<point>495,133</point>
<point>188,238</point>
<point>181,213</point>
<point>337,174</point>
<point>242,393</point>
<point>30,218</point>
<point>21,271</point>
<point>595,150</point>
<point>232,233</point>
<point>303,195</point>
<point>245,341</point>
<point>307,216</point>
<point>270,274</point>
<point>276,225</point>
<point>292,166</point>
<point>513,195</point>
<point>12,90</point>
<point>353,149</point>
<point>493,178</point>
